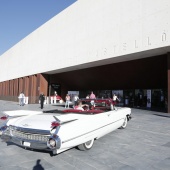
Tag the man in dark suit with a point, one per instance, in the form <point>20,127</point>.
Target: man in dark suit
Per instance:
<point>42,98</point>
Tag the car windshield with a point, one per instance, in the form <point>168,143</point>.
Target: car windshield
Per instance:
<point>67,111</point>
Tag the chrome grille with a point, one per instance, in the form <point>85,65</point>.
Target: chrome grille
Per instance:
<point>23,134</point>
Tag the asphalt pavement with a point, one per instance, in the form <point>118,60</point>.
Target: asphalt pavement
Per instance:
<point>143,145</point>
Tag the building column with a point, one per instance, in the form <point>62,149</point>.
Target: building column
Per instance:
<point>168,70</point>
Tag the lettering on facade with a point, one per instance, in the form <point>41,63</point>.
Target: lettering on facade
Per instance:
<point>97,53</point>
<point>105,51</point>
<point>124,47</point>
<point>164,36</point>
<point>136,46</point>
<point>114,48</point>
<point>148,40</point>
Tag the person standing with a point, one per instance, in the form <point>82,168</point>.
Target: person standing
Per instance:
<point>55,97</point>
<point>21,99</point>
<point>115,99</point>
<point>55,93</point>
<point>76,97</point>
<point>42,98</point>
<point>92,95</point>
<point>67,101</point>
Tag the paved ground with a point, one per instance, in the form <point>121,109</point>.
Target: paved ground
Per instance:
<point>143,145</point>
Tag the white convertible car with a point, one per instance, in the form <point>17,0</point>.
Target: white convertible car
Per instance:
<point>58,130</point>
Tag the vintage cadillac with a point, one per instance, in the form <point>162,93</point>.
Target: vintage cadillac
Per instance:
<point>60,130</point>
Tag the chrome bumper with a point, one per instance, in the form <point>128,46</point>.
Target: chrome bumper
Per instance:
<point>32,144</point>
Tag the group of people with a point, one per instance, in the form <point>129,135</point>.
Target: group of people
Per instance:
<point>21,98</point>
<point>68,99</point>
<point>79,106</point>
<point>77,103</point>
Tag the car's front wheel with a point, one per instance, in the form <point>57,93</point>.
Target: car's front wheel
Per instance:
<point>124,123</point>
<point>86,146</point>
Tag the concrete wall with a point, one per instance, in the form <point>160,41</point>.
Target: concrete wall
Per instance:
<point>90,31</point>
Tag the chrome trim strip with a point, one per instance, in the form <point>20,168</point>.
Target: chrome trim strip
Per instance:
<point>68,121</point>
<point>28,130</point>
<point>29,134</point>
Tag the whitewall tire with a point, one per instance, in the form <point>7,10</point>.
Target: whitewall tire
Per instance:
<point>87,145</point>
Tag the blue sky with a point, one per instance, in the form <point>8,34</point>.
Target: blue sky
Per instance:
<point>18,18</point>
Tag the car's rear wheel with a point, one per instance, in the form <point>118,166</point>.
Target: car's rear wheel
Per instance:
<point>86,146</point>
<point>124,123</point>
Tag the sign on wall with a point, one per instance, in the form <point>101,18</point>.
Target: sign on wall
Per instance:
<point>72,94</point>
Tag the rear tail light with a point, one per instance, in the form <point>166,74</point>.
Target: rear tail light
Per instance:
<point>3,128</point>
<point>55,124</point>
<point>52,143</point>
<point>4,118</point>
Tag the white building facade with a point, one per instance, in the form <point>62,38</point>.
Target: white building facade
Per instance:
<point>88,34</point>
